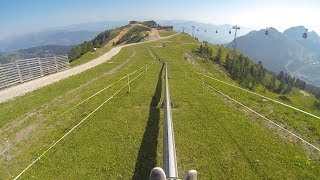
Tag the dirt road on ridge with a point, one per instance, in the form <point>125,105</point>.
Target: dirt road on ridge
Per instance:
<point>30,86</point>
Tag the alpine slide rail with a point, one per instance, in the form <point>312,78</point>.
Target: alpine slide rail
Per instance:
<point>170,169</point>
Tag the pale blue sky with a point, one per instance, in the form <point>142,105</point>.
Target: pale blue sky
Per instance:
<point>17,16</point>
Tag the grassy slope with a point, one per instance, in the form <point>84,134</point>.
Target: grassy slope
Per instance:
<point>90,56</point>
<point>308,127</point>
<point>55,99</point>
<point>107,145</point>
<point>164,33</point>
<point>123,139</point>
<point>94,54</point>
<point>297,98</point>
<point>134,35</point>
<point>226,142</point>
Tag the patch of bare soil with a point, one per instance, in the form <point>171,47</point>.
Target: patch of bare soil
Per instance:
<point>154,34</point>
<point>304,93</point>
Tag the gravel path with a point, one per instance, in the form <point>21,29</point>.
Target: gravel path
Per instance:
<point>30,86</point>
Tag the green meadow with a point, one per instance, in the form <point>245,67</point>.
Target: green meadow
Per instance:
<point>123,138</point>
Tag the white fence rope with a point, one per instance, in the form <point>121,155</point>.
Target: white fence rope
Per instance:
<point>98,92</point>
<point>291,133</point>
<point>105,88</point>
<point>39,157</point>
<point>297,109</point>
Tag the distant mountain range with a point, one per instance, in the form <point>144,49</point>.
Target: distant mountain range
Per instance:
<point>43,51</point>
<point>207,32</point>
<point>286,51</point>
<point>58,37</point>
<point>40,51</point>
<point>93,26</point>
<point>77,33</point>
<point>67,35</point>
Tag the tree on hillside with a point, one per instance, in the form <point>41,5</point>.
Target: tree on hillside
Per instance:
<point>80,49</point>
<point>218,56</point>
<point>272,84</point>
<point>228,62</point>
<point>290,84</point>
<point>254,74</point>
<point>261,71</point>
<point>210,52</point>
<point>282,86</point>
<point>235,70</point>
<point>280,75</point>
<point>300,84</point>
<point>241,68</point>
<point>75,52</point>
<point>205,51</point>
<point>200,49</point>
<point>287,82</point>
<point>318,95</point>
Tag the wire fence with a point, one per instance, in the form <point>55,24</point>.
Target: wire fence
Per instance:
<point>281,127</point>
<point>27,69</point>
<point>262,96</point>
<point>93,95</point>
<point>85,118</point>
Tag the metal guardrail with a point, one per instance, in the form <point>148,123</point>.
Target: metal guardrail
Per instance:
<point>169,150</point>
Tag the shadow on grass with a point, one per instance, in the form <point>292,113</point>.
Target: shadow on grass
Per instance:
<point>147,157</point>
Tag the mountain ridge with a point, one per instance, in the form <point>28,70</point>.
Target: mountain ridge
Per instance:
<point>286,51</point>
<point>56,37</point>
<point>207,31</point>
<point>33,52</point>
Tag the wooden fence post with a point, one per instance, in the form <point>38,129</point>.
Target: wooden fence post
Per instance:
<point>202,85</point>
<point>128,83</point>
